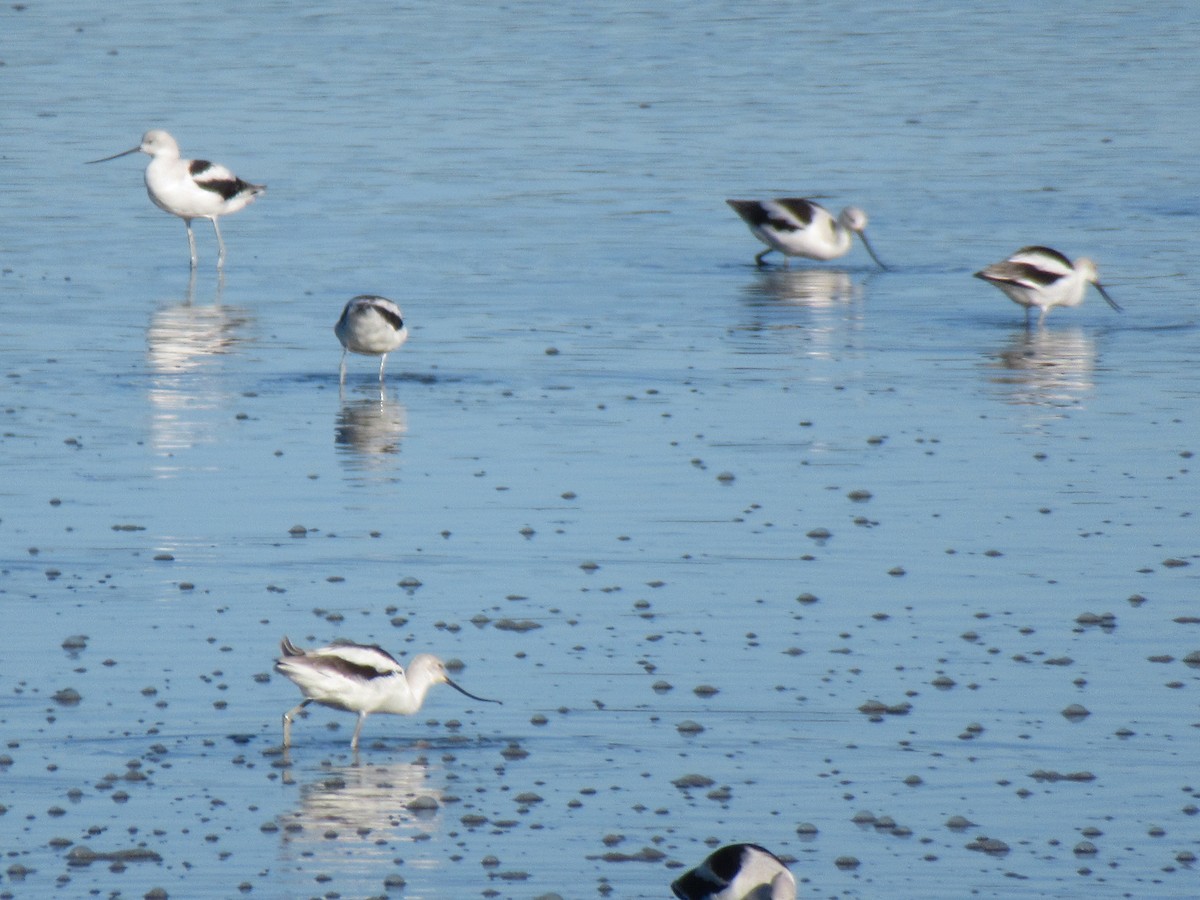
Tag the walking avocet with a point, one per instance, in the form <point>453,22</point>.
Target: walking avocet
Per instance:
<point>798,227</point>
<point>361,678</point>
<point>190,188</point>
<point>1041,277</point>
<point>737,872</point>
<point>372,326</point>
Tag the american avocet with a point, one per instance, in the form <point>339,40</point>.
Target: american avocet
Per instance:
<point>1041,277</point>
<point>190,188</point>
<point>371,325</point>
<point>361,678</point>
<point>737,872</point>
<point>798,227</point>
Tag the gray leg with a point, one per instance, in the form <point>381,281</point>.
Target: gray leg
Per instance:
<point>342,370</point>
<point>287,721</point>
<point>220,244</point>
<point>759,258</point>
<point>382,360</point>
<point>191,241</point>
<point>362,717</point>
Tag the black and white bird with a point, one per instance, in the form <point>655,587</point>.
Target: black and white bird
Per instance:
<point>360,678</point>
<point>372,326</point>
<point>1042,277</point>
<point>798,227</point>
<point>737,872</point>
<point>190,188</point>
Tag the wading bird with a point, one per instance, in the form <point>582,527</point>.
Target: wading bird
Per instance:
<point>798,227</point>
<point>1041,277</point>
<point>190,188</point>
<point>360,678</point>
<point>372,326</point>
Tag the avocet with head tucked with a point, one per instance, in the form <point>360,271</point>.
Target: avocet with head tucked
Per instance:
<point>737,872</point>
<point>372,326</point>
<point>1042,277</point>
<point>798,227</point>
<point>360,678</point>
<point>190,188</point>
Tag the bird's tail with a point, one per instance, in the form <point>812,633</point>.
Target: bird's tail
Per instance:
<point>288,648</point>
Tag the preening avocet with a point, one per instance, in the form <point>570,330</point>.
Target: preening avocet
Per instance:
<point>798,227</point>
<point>737,872</point>
<point>361,678</point>
<point>1042,277</point>
<point>371,325</point>
<point>190,188</point>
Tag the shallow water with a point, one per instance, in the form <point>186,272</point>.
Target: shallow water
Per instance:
<point>808,489</point>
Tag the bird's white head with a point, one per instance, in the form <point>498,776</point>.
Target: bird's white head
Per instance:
<point>426,667</point>
<point>158,143</point>
<point>1087,269</point>
<point>853,219</point>
<point>425,670</point>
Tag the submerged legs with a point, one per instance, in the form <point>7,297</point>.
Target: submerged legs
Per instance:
<point>220,244</point>
<point>287,721</point>
<point>191,241</point>
<point>362,717</point>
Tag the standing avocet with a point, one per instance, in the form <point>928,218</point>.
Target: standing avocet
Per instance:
<point>372,326</point>
<point>798,227</point>
<point>737,872</point>
<point>190,188</point>
<point>1041,277</point>
<point>360,678</point>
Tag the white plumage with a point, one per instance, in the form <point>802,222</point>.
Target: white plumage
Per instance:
<point>798,227</point>
<point>361,678</point>
<point>1042,277</point>
<point>372,326</point>
<point>737,872</point>
<point>190,188</point>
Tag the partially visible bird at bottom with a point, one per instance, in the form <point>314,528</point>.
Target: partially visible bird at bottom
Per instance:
<point>737,872</point>
<point>370,325</point>
<point>360,678</point>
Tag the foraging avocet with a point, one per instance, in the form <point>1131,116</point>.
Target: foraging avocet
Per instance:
<point>798,227</point>
<point>737,872</point>
<point>1042,277</point>
<point>371,325</point>
<point>361,678</point>
<point>190,188</point>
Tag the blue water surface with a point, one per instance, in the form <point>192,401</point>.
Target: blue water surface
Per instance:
<point>616,461</point>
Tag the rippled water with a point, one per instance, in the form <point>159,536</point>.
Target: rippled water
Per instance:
<point>615,463</point>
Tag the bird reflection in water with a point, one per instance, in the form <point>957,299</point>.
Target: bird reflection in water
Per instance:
<point>369,430</point>
<point>816,310</point>
<point>1045,367</point>
<point>368,805</point>
<point>188,339</point>
<point>807,287</point>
